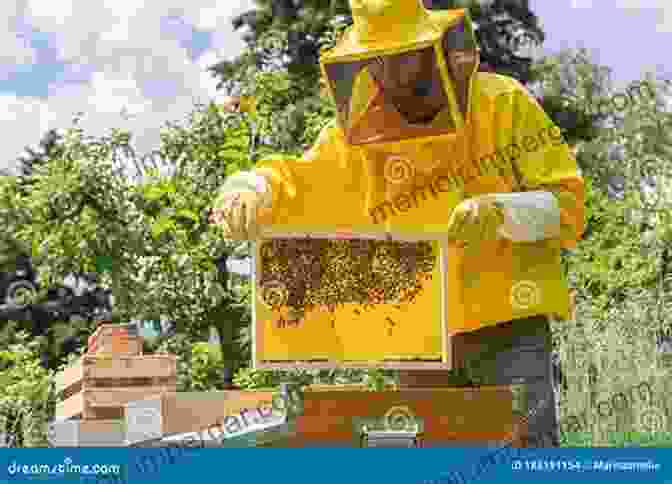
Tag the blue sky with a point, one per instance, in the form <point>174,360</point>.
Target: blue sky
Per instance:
<point>626,35</point>
<point>58,57</point>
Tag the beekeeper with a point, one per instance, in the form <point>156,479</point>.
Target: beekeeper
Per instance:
<point>414,112</point>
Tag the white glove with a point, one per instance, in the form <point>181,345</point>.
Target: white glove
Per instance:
<point>528,216</point>
<point>236,209</point>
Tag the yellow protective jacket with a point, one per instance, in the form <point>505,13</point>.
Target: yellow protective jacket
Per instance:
<point>406,180</point>
<point>507,145</point>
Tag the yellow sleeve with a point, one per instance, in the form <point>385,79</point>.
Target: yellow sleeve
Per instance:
<point>546,163</point>
<point>317,191</point>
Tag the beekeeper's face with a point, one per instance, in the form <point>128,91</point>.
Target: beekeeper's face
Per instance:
<point>412,82</point>
<point>402,73</point>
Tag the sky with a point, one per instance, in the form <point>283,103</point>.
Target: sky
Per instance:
<point>148,59</point>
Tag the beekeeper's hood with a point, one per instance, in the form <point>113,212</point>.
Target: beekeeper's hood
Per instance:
<point>375,68</point>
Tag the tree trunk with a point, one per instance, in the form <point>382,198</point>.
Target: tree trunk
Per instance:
<point>225,331</point>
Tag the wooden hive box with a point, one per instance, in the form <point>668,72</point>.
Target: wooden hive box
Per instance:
<point>479,416</point>
<point>87,433</point>
<point>116,339</point>
<point>174,413</point>
<point>98,386</point>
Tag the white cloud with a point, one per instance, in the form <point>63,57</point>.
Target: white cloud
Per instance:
<point>125,59</point>
<point>24,119</point>
<point>56,13</point>
<point>663,8</point>
<point>581,4</point>
<point>113,95</point>
<point>15,49</point>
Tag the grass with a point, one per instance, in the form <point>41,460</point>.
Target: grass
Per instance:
<point>618,439</point>
<point>604,359</point>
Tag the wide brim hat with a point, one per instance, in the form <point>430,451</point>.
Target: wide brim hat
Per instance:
<point>383,27</point>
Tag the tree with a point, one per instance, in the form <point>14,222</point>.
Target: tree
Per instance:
<point>212,145</point>
<point>620,270</point>
<point>19,286</point>
<point>152,230</point>
<point>571,89</point>
<point>280,61</point>
<point>502,28</point>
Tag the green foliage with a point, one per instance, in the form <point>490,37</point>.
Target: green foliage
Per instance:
<point>27,399</point>
<point>83,208</point>
<point>311,25</point>
<point>180,346</point>
<point>207,366</point>
<point>251,379</point>
<point>254,379</point>
<point>569,86</point>
<point>618,270</point>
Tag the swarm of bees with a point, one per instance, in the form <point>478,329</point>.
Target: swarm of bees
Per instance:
<point>306,274</point>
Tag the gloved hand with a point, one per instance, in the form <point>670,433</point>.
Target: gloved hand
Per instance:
<point>237,208</point>
<point>475,220</point>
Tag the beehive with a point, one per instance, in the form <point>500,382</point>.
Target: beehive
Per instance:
<point>480,416</point>
<point>192,412</point>
<point>115,339</point>
<point>98,386</point>
<point>87,433</point>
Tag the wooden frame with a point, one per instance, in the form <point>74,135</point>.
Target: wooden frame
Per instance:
<point>86,383</point>
<point>98,366</point>
<point>446,362</point>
